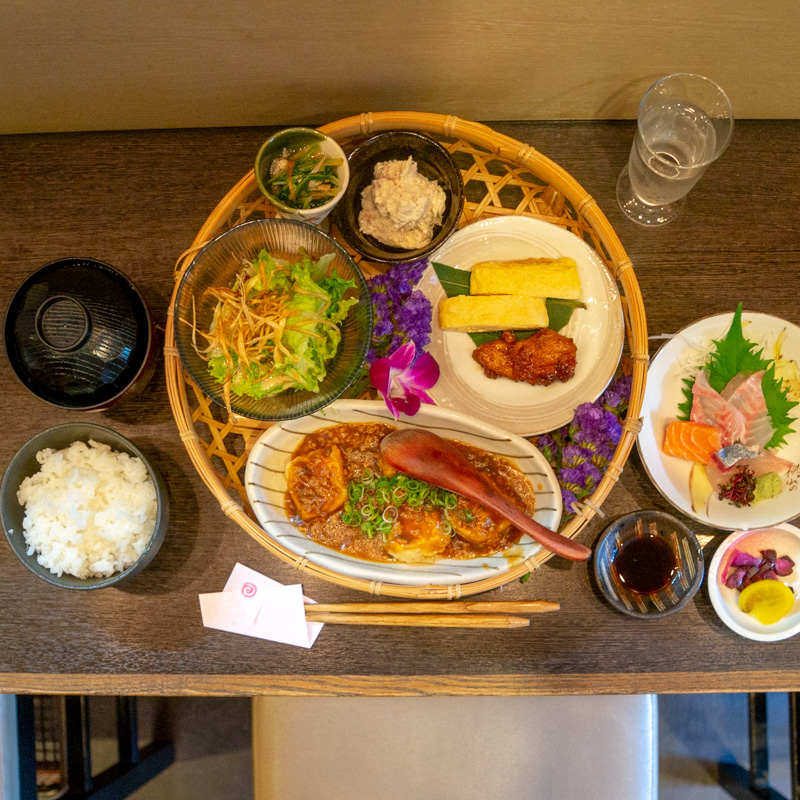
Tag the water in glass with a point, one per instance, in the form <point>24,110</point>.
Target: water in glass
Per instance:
<point>673,146</point>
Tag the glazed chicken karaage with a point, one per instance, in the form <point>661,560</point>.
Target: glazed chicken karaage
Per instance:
<point>542,359</point>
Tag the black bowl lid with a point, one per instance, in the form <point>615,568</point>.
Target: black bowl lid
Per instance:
<point>77,333</point>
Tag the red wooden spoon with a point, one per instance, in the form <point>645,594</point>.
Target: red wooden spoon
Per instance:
<point>430,458</point>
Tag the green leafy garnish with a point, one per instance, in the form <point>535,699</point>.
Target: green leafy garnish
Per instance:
<point>732,356</point>
<point>456,281</point>
<point>778,407</point>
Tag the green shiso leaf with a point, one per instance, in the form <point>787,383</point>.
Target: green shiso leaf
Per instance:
<point>456,281</point>
<point>732,356</point>
<point>778,407</point>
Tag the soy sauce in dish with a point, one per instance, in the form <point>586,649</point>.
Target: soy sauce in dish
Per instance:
<point>645,564</point>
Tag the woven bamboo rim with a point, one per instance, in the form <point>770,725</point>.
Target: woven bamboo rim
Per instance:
<point>504,177</point>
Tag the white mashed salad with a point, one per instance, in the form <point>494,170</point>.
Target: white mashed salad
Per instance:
<point>401,207</point>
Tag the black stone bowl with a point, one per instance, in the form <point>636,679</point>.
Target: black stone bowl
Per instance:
<point>24,464</point>
<point>433,162</point>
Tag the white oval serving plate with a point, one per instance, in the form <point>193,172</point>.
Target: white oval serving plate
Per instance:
<point>265,483</point>
<point>598,330</point>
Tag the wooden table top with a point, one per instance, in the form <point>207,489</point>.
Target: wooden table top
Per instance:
<point>136,200</point>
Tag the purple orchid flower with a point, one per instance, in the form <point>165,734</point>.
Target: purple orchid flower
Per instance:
<point>402,379</point>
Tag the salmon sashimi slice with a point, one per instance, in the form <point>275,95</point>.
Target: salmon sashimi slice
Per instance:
<point>691,441</point>
<point>710,408</point>
<point>761,465</point>
<point>747,396</point>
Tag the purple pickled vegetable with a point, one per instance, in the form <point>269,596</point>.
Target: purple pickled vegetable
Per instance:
<point>744,568</point>
<point>741,559</point>
<point>735,578</point>
<point>784,566</point>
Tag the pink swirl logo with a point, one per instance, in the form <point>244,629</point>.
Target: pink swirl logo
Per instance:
<point>249,590</point>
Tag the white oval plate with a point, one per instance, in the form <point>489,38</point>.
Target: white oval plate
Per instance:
<point>783,538</point>
<point>265,482</point>
<point>598,330</point>
<point>670,475</point>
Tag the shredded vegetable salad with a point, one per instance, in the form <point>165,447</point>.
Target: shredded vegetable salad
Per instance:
<point>276,327</point>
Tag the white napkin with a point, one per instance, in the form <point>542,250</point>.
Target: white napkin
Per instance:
<point>254,605</point>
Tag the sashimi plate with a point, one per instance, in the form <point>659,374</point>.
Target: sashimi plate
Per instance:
<point>265,483</point>
<point>680,357</point>
<point>597,330</point>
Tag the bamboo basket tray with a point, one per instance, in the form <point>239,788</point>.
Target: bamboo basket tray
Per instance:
<point>502,176</point>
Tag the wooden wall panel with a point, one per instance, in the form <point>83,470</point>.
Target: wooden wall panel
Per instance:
<point>99,64</point>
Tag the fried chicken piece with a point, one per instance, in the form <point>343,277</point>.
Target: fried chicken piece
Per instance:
<point>545,357</point>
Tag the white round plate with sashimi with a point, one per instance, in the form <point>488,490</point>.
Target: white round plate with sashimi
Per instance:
<point>682,356</point>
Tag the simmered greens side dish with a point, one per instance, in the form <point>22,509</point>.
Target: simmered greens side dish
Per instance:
<point>277,326</point>
<point>305,178</point>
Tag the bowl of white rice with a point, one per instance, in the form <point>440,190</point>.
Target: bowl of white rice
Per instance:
<point>82,507</point>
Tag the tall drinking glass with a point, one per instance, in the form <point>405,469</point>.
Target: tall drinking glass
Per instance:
<point>685,123</point>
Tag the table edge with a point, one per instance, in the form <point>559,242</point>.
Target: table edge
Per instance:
<point>399,685</point>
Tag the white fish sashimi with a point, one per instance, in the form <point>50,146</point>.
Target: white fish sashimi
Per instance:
<point>710,408</point>
<point>747,397</point>
<point>761,465</point>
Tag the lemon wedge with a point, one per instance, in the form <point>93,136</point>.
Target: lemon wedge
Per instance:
<point>767,601</point>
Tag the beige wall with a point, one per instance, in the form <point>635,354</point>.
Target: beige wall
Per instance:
<point>109,64</point>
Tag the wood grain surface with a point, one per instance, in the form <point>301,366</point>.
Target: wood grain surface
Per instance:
<point>136,200</point>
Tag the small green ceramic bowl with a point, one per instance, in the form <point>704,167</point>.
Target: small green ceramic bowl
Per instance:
<point>292,140</point>
<point>24,464</point>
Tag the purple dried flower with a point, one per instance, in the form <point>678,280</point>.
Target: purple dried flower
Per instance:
<point>401,313</point>
<point>613,427</point>
<point>572,455</point>
<point>583,449</point>
<point>588,417</point>
<point>568,499</point>
<point>591,474</point>
<point>547,446</point>
<point>571,477</point>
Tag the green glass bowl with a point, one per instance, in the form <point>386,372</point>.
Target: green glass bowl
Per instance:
<point>24,464</point>
<point>218,263</point>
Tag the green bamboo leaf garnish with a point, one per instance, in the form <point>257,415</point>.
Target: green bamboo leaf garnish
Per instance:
<point>456,281</point>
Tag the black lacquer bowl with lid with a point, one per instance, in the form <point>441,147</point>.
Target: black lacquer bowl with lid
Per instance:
<point>79,334</point>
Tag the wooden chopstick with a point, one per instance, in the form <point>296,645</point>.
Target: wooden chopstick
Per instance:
<point>418,620</point>
<point>443,607</point>
<point>448,614</point>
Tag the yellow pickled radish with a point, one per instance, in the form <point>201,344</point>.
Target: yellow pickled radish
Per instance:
<point>767,601</point>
